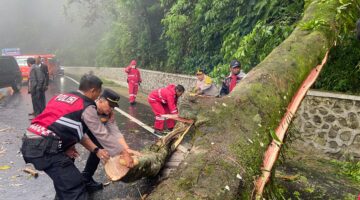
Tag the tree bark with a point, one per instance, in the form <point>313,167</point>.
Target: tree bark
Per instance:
<point>150,162</point>
<point>232,133</point>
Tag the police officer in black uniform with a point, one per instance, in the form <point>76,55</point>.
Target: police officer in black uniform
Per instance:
<point>49,142</point>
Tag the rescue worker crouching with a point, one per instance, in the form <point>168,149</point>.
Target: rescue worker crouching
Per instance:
<point>164,101</point>
<point>104,132</point>
<point>204,85</point>
<point>49,141</point>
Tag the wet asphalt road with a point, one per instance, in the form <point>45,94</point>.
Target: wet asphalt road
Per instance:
<point>14,119</point>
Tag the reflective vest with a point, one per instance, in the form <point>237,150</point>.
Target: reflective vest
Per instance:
<point>62,117</point>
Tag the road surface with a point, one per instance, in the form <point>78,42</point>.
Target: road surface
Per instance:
<point>14,119</point>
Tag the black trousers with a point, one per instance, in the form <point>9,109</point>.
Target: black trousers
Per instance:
<point>92,161</point>
<point>43,153</point>
<point>67,179</point>
<point>38,101</point>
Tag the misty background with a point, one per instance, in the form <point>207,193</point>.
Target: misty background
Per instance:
<point>50,26</point>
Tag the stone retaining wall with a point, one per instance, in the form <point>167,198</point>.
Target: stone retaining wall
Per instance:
<point>330,122</point>
<point>150,79</point>
<point>326,121</point>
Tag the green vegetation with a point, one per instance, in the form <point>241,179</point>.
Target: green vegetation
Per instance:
<point>181,36</point>
<point>342,72</point>
<point>349,169</point>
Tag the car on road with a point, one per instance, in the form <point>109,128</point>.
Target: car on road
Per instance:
<point>61,71</point>
<point>10,75</point>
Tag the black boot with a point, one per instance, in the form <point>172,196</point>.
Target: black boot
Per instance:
<point>90,184</point>
<point>159,133</point>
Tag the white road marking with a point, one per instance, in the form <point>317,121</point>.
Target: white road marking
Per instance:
<point>146,127</point>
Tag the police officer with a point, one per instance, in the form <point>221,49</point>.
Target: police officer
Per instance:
<point>104,132</point>
<point>49,141</point>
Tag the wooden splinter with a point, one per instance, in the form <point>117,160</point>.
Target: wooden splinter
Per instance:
<point>31,172</point>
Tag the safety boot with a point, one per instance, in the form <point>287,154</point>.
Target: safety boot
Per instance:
<point>90,184</point>
<point>160,133</point>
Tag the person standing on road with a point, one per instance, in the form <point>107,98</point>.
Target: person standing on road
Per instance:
<point>30,61</point>
<point>44,68</point>
<point>104,132</point>
<point>37,87</point>
<point>134,80</point>
<point>236,75</point>
<point>49,142</point>
<point>164,101</point>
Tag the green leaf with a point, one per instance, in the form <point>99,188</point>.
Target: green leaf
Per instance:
<point>275,137</point>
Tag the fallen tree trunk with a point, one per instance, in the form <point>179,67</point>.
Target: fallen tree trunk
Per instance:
<point>148,164</point>
<point>232,133</point>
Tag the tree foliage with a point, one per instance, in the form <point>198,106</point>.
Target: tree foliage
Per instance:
<point>181,36</point>
<point>212,32</point>
<point>342,72</point>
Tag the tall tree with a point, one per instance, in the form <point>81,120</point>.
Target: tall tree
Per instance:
<point>232,133</point>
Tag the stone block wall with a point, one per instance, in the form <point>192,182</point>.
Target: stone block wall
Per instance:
<point>327,121</point>
<point>330,122</point>
<point>150,79</point>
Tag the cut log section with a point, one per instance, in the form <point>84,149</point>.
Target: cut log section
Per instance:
<point>152,159</point>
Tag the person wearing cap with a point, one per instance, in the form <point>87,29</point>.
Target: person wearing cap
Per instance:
<point>204,85</point>
<point>236,75</point>
<point>134,80</point>
<point>164,101</point>
<point>104,132</point>
<point>49,142</point>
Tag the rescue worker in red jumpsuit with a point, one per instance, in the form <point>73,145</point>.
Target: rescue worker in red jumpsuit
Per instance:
<point>163,101</point>
<point>134,80</point>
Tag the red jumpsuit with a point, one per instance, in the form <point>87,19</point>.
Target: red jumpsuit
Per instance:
<point>163,101</point>
<point>133,80</point>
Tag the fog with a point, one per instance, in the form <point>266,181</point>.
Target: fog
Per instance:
<point>40,26</point>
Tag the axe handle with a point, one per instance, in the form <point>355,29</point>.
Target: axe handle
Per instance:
<point>180,119</point>
<point>189,121</point>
